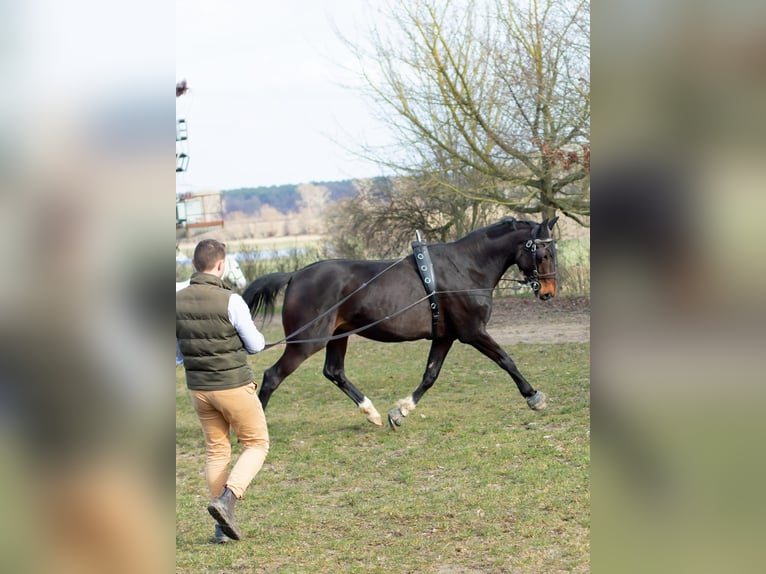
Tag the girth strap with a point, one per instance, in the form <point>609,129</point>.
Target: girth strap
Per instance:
<point>426,271</point>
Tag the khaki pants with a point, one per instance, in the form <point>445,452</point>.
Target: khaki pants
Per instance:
<point>241,410</point>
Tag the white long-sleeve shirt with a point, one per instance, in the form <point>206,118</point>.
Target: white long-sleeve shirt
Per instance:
<point>240,317</point>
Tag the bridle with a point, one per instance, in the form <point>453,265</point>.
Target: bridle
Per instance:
<point>533,277</point>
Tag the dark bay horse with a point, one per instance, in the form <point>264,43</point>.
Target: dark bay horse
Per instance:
<point>329,300</point>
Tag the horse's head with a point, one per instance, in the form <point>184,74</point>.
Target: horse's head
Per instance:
<point>538,261</point>
<point>232,273</point>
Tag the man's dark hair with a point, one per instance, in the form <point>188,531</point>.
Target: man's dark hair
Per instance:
<point>207,253</point>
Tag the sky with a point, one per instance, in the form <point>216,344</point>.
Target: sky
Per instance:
<point>266,105</point>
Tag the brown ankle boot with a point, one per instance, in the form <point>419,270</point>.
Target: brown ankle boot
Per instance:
<point>220,537</point>
<point>222,509</point>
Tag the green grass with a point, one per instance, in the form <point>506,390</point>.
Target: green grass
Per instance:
<point>473,481</point>
<point>573,266</point>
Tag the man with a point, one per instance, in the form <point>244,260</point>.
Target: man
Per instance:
<point>214,334</point>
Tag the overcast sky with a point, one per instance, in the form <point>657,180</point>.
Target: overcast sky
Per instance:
<point>264,100</point>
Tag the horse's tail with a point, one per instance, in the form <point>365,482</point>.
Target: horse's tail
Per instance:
<point>262,293</point>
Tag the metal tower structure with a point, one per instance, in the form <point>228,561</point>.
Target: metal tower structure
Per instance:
<point>195,212</point>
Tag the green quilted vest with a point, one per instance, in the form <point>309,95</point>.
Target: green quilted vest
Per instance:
<point>214,355</point>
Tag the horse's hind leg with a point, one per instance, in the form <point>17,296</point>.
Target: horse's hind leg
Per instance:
<point>436,356</point>
<point>334,370</point>
<point>290,360</point>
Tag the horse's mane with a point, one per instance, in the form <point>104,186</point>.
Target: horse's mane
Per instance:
<point>499,228</point>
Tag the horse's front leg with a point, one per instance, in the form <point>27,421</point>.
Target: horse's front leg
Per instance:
<point>487,345</point>
<point>436,356</point>
<point>334,370</point>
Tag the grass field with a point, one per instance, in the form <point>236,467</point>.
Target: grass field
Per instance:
<point>472,482</point>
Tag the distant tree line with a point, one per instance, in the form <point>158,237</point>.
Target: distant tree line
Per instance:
<point>283,198</point>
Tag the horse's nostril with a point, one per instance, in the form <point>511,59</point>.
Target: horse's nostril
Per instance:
<point>545,296</point>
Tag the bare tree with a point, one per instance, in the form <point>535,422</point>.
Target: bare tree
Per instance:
<point>489,103</point>
<point>380,221</point>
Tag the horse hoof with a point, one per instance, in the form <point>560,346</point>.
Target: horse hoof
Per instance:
<point>375,419</point>
<point>395,418</point>
<point>537,401</point>
<point>369,410</point>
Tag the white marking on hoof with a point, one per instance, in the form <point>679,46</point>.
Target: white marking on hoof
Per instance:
<point>372,413</point>
<point>537,401</point>
<point>406,405</point>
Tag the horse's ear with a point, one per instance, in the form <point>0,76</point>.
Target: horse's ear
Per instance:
<point>543,230</point>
